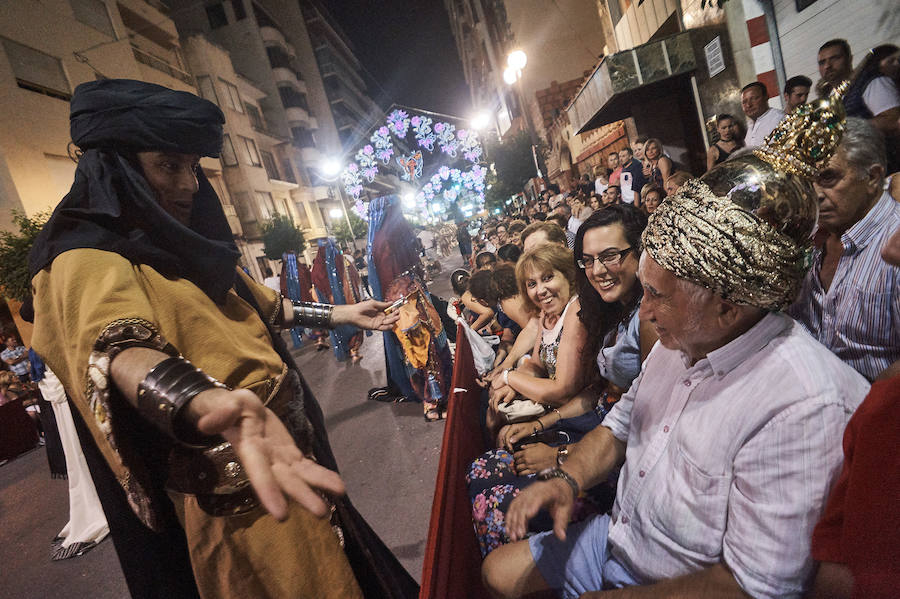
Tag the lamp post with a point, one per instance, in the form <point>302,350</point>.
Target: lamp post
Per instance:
<point>331,168</point>
<point>512,75</point>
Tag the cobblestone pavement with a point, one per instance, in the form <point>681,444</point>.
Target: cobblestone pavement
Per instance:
<point>387,454</point>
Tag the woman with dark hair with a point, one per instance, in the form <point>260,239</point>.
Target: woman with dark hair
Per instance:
<point>878,75</point>
<point>607,250</point>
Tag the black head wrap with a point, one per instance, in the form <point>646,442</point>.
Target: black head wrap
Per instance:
<point>111,206</point>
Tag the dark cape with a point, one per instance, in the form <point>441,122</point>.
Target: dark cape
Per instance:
<point>111,207</point>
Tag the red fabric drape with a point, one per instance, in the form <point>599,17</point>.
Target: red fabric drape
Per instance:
<point>452,566</point>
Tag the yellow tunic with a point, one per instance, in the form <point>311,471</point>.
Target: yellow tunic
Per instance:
<point>85,302</point>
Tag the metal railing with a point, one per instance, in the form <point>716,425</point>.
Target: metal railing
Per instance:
<point>161,65</point>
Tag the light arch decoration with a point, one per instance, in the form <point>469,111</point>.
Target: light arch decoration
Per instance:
<point>407,142</point>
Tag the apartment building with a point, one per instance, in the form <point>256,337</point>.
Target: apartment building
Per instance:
<point>272,49</point>
<point>46,49</point>
<point>255,160</point>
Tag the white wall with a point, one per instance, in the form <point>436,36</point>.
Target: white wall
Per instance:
<point>863,23</point>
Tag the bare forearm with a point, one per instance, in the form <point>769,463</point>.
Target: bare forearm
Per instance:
<point>582,403</point>
<point>554,392</point>
<point>594,457</point>
<point>131,366</point>
<point>716,581</point>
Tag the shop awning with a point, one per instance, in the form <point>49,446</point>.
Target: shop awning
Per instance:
<point>620,78</point>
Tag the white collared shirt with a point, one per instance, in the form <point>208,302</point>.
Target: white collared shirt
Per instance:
<point>731,459</point>
<point>758,129</point>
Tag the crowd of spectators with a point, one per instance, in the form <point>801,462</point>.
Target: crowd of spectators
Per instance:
<point>704,434</point>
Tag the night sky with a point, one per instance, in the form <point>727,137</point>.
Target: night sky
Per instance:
<point>407,47</point>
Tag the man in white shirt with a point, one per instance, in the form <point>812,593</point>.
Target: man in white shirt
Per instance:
<point>761,119</point>
<point>729,438</point>
<point>272,281</point>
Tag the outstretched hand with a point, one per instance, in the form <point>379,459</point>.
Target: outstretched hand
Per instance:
<point>277,469</point>
<point>365,315</point>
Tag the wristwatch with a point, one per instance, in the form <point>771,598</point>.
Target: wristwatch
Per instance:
<point>551,473</point>
<point>562,454</point>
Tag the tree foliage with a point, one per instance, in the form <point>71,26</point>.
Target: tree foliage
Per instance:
<point>14,247</point>
<point>280,236</point>
<point>514,166</point>
<point>342,233</point>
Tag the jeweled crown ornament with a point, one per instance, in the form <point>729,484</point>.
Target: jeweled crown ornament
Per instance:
<point>805,139</point>
<point>774,182</point>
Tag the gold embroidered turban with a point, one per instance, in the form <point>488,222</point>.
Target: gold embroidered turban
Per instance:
<point>744,229</point>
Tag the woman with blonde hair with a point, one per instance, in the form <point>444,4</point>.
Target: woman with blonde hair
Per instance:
<point>657,166</point>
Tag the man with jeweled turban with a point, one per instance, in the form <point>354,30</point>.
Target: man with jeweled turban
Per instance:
<point>727,438</point>
<point>207,447</point>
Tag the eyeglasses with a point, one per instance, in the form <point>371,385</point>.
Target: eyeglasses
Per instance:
<point>610,259</point>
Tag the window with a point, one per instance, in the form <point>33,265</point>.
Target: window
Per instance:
<point>248,151</point>
<point>228,157</point>
<point>255,116</point>
<point>216,15</point>
<point>238,7</point>
<point>801,4</point>
<point>269,163</point>
<point>36,71</point>
<point>288,171</point>
<point>207,89</point>
<point>93,14</point>
<point>266,206</point>
<point>291,98</point>
<point>303,137</point>
<point>232,97</point>
<point>278,58</point>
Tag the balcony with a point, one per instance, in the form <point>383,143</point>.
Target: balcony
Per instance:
<point>285,75</point>
<point>161,65</point>
<point>310,155</point>
<point>270,35</point>
<point>295,115</point>
<point>321,192</point>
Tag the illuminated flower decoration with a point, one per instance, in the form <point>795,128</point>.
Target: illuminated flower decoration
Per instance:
<point>352,180</point>
<point>444,172</point>
<point>451,194</point>
<point>446,139</point>
<point>470,146</point>
<point>428,191</point>
<point>361,209</point>
<point>424,135</point>
<point>398,123</point>
<point>366,160</point>
<point>384,147</point>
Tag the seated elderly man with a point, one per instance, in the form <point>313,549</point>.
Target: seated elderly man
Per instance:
<point>728,440</point>
<point>850,299</point>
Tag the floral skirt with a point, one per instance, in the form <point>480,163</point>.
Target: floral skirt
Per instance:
<point>493,484</point>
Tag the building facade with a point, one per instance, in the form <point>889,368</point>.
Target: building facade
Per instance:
<point>46,50</point>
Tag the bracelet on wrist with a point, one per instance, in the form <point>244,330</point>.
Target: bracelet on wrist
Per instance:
<point>164,394</point>
<point>312,314</point>
<point>557,472</point>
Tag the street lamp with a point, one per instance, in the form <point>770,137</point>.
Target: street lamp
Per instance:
<point>512,75</point>
<point>330,168</point>
<point>517,59</point>
<point>481,121</point>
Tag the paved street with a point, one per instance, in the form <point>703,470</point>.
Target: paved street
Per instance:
<point>387,454</point>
